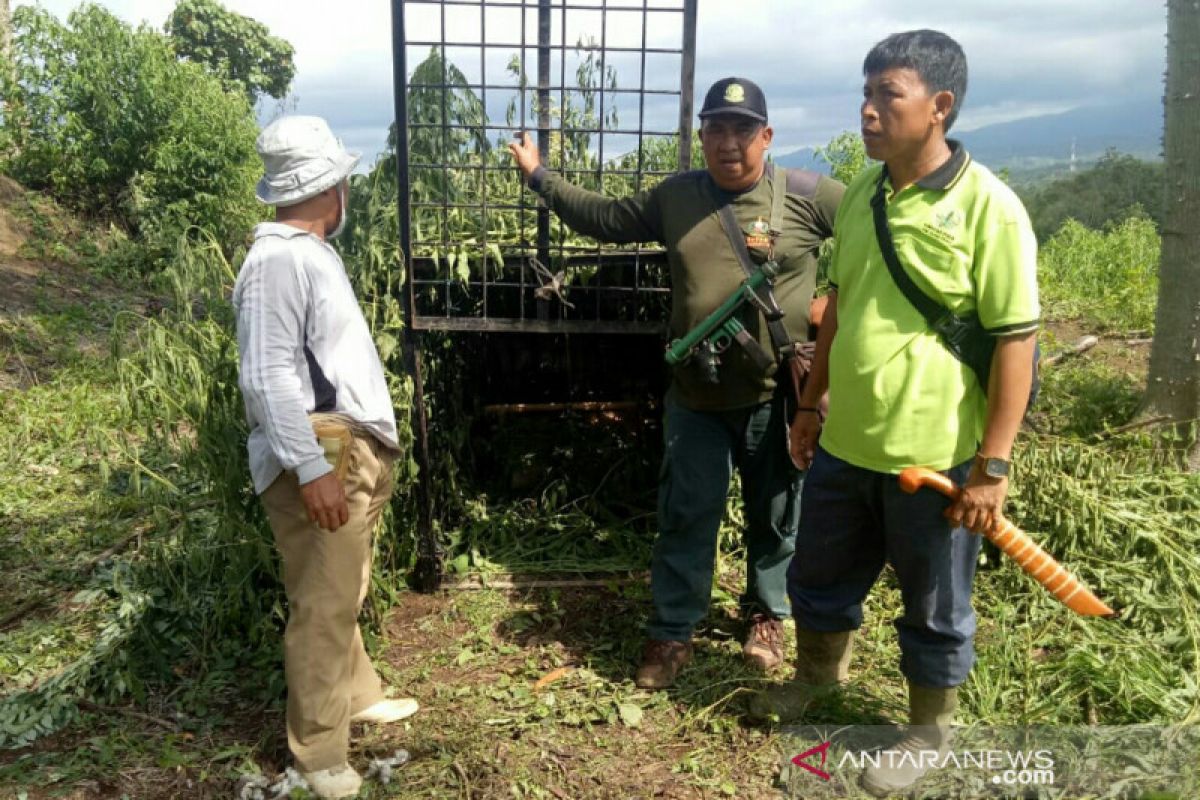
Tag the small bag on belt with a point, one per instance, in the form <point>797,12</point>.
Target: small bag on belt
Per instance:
<point>335,437</point>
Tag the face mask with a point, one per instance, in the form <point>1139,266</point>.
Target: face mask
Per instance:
<point>341,226</point>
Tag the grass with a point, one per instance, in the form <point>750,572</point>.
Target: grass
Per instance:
<point>88,532</point>
<point>1106,279</point>
<point>59,507</point>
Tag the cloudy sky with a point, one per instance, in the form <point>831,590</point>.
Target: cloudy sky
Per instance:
<point>1027,57</point>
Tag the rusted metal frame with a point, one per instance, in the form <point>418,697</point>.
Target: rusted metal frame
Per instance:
<point>517,129</point>
<point>510,87</point>
<point>533,4</point>
<point>428,570</point>
<point>641,100</point>
<point>637,265</point>
<point>587,406</point>
<point>608,290</point>
<point>565,326</point>
<point>600,116</point>
<point>483,194</point>
<point>552,47</point>
<point>522,87</point>
<point>545,46</point>
<point>445,128</point>
<point>562,142</point>
<point>543,95</point>
<point>490,168</point>
<point>577,253</point>
<point>687,83</point>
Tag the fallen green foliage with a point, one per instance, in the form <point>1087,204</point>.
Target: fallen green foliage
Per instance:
<point>201,590</point>
<point>1127,522</point>
<point>1085,400</point>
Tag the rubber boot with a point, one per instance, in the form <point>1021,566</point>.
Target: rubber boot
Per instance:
<point>822,664</point>
<point>931,711</point>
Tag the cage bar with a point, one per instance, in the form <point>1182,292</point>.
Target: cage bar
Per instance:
<point>482,254</point>
<point>495,249</point>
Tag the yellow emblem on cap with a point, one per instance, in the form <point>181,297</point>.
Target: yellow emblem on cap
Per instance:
<point>734,93</point>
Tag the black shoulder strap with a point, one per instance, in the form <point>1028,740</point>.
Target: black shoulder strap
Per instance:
<point>779,178</point>
<point>780,341</point>
<point>964,336</point>
<point>933,312</point>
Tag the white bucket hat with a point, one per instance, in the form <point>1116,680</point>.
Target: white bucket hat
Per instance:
<point>301,158</point>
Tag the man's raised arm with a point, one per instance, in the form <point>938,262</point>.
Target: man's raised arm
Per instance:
<point>630,219</point>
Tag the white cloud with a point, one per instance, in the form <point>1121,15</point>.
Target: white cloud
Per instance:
<point>1027,57</point>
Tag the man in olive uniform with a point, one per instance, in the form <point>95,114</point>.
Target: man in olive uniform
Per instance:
<point>739,421</point>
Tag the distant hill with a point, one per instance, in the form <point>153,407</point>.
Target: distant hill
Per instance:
<point>804,158</point>
<point>1134,128</point>
<point>1042,145</point>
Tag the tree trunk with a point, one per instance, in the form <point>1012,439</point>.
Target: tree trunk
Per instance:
<point>1174,384</point>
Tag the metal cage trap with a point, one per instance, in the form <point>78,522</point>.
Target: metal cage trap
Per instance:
<point>605,88</point>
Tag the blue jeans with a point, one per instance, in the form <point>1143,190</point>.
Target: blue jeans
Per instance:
<point>702,449</point>
<point>855,520</point>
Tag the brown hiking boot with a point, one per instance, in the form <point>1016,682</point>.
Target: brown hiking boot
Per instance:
<point>662,659</point>
<point>763,647</point>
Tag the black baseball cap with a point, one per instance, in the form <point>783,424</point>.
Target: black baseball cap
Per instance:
<point>735,96</point>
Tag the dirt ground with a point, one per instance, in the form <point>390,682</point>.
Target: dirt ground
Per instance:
<point>487,728</point>
<point>41,275</point>
<point>525,693</point>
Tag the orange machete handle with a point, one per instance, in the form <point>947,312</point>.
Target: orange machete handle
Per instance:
<point>1017,545</point>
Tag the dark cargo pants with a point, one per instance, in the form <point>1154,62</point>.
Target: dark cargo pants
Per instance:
<point>856,519</point>
<point>702,449</point>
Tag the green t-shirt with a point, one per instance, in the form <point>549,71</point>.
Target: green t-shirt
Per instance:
<point>897,397</point>
<point>681,213</point>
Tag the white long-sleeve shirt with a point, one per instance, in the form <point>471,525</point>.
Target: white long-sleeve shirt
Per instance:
<point>305,347</point>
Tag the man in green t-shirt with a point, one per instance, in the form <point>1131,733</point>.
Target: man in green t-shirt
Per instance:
<point>899,397</point>
<point>738,422</point>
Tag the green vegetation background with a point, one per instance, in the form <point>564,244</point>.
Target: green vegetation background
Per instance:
<point>152,141</point>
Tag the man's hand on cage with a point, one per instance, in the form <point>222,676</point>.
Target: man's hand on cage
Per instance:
<point>526,154</point>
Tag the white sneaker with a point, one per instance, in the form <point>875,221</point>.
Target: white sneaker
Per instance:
<point>386,711</point>
<point>339,781</point>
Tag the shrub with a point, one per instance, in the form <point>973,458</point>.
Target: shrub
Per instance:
<point>1117,187</point>
<point>1107,279</point>
<point>106,119</point>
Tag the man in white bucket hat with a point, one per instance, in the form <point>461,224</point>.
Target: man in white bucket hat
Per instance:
<point>322,442</point>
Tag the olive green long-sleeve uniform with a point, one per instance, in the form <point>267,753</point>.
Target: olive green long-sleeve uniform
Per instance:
<point>682,214</point>
<point>712,430</point>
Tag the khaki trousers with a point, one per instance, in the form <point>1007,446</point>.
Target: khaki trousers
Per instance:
<point>326,575</point>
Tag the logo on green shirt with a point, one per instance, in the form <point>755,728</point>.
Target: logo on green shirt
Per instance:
<point>944,226</point>
<point>758,234</point>
<point>947,221</point>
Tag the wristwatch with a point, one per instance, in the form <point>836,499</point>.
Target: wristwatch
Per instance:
<point>993,467</point>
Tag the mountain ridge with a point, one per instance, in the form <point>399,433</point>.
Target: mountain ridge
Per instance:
<point>1133,127</point>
